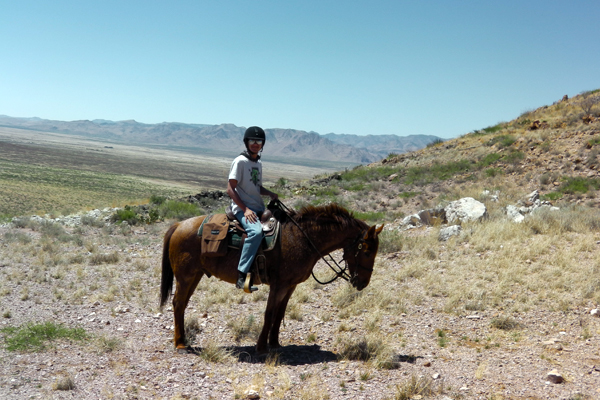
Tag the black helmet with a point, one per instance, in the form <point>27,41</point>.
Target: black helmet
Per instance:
<point>255,132</point>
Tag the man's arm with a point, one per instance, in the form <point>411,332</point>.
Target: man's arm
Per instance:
<point>248,213</point>
<point>266,192</point>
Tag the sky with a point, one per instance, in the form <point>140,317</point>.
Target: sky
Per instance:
<point>442,68</point>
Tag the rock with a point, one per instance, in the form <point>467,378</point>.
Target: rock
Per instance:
<point>252,394</point>
<point>595,313</point>
<point>410,222</point>
<point>555,377</point>
<point>486,194</point>
<point>465,209</point>
<point>449,231</point>
<point>514,214</point>
<point>433,216</point>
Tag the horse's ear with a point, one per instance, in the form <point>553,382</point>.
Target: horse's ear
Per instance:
<point>373,232</point>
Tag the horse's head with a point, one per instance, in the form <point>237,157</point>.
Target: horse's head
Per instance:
<point>360,256</point>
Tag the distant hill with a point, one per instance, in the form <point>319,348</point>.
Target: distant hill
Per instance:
<point>350,149</point>
<point>384,145</point>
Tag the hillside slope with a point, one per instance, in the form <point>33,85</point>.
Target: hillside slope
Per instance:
<point>553,149</point>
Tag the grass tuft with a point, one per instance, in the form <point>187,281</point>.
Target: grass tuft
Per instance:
<point>35,337</point>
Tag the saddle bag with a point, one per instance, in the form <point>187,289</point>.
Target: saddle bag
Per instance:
<point>214,236</point>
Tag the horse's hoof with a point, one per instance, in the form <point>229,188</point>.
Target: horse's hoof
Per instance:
<point>183,350</point>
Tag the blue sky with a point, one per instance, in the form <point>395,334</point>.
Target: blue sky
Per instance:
<point>439,68</point>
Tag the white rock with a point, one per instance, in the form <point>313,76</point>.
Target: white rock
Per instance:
<point>514,214</point>
<point>595,313</point>
<point>464,210</point>
<point>252,394</point>
<point>449,231</point>
<point>555,377</point>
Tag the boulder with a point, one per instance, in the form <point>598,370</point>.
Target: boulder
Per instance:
<point>465,210</point>
<point>514,214</point>
<point>449,231</point>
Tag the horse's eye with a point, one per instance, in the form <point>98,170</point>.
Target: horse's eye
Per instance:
<point>367,254</point>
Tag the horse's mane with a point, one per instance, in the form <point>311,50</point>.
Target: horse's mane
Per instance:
<point>327,215</point>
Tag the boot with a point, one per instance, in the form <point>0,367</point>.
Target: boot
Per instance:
<point>240,281</point>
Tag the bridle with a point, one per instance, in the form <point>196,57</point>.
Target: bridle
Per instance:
<point>339,271</point>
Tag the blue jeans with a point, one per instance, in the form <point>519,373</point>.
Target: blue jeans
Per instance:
<point>251,244</point>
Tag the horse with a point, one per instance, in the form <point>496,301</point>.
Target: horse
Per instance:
<point>305,236</point>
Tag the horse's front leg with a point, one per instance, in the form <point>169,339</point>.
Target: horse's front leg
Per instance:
<point>279,313</point>
<point>276,296</point>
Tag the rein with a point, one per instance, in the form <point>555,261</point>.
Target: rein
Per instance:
<point>339,272</point>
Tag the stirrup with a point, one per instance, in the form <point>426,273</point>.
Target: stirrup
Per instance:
<point>247,287</point>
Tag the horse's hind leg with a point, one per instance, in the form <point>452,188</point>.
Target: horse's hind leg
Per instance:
<point>183,291</point>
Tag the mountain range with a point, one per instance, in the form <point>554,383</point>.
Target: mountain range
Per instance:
<point>290,143</point>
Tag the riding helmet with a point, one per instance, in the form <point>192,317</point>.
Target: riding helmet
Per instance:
<point>255,132</point>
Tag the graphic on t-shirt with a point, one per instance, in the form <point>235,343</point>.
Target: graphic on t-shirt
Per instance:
<point>254,176</point>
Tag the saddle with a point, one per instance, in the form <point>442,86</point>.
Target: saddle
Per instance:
<point>236,234</point>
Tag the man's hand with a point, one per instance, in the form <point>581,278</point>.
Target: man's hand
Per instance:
<point>250,216</point>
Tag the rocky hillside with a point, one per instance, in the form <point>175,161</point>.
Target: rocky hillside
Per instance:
<point>553,149</point>
<point>287,143</point>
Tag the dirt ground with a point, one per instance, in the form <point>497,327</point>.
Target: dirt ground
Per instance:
<point>129,354</point>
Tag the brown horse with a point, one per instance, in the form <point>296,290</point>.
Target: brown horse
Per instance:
<point>305,236</point>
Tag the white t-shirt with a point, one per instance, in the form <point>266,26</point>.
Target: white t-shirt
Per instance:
<point>248,175</point>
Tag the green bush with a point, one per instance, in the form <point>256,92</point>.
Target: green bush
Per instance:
<point>179,210</point>
<point>502,140</point>
<point>514,157</point>
<point>436,142</point>
<point>492,172</point>
<point>552,196</point>
<point>158,200</point>
<point>436,172</point>
<point>126,214</point>
<point>34,337</point>
<point>489,160</point>
<point>408,195</point>
<point>493,129</point>
<point>371,216</point>
<point>578,185</point>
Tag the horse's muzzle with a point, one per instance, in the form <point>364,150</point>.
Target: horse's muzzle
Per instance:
<point>357,283</point>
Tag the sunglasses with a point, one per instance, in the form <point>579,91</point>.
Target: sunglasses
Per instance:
<point>255,141</point>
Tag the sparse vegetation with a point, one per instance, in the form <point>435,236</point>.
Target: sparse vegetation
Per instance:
<point>36,337</point>
<point>428,302</point>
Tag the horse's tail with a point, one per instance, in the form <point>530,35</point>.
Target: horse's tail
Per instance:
<point>166,281</point>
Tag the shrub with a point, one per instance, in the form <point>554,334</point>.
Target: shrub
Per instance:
<point>492,172</point>
<point>435,142</point>
<point>126,214</point>
<point>578,185</point>
<point>245,328</point>
<point>179,210</point>
<point>157,200</point>
<point>502,140</point>
<point>370,348</point>
<point>52,229</point>
<point>493,129</point>
<point>370,216</point>
<point>34,337</point>
<point>514,158</point>
<point>102,258</point>
<point>504,323</point>
<point>390,242</point>
<point>489,159</point>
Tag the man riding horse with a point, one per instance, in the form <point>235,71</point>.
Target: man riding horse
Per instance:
<point>245,189</point>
